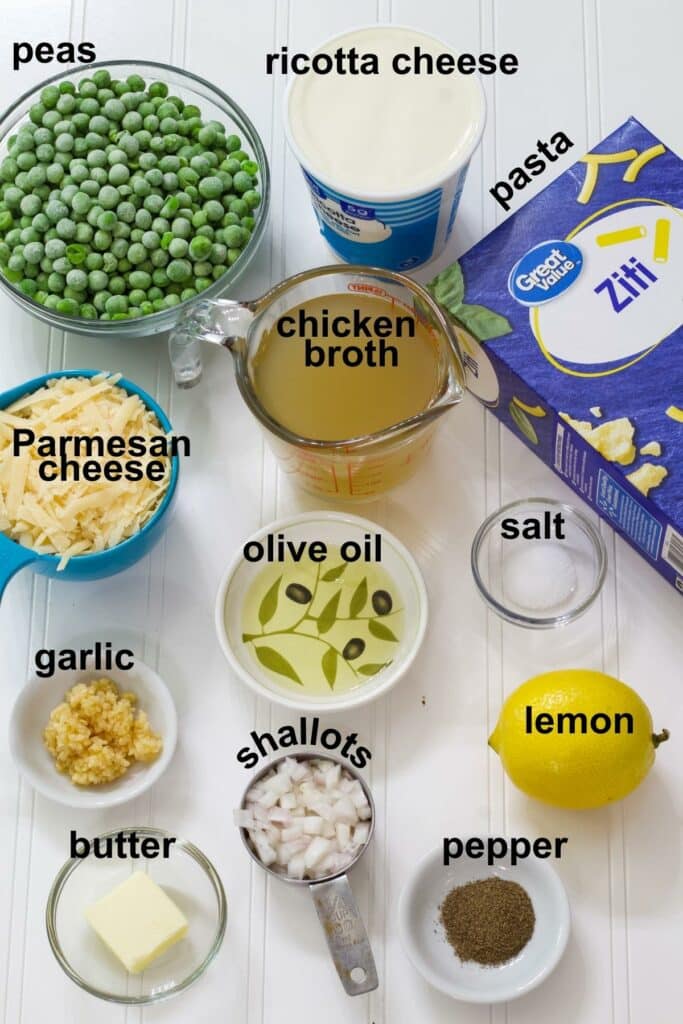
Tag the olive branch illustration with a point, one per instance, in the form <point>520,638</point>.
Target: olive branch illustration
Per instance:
<point>382,605</point>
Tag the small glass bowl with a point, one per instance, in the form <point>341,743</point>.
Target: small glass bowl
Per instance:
<point>502,567</point>
<point>191,881</point>
<point>214,105</point>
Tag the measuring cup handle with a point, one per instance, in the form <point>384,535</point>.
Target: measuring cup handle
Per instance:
<point>221,322</point>
<point>13,557</point>
<point>346,936</point>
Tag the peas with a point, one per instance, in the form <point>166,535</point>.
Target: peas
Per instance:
<point>119,200</point>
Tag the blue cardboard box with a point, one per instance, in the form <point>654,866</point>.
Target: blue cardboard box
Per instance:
<point>570,318</point>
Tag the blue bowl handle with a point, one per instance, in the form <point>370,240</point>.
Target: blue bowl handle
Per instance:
<point>13,557</point>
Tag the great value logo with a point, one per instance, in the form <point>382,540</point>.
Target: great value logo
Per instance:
<point>545,272</point>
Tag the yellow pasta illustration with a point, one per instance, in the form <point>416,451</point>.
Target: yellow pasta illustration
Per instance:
<point>662,234</point>
<point>636,166</point>
<point>592,162</point>
<point>625,235</point>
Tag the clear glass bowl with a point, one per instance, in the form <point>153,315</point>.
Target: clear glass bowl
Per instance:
<point>214,105</point>
<point>191,881</point>
<point>538,583</point>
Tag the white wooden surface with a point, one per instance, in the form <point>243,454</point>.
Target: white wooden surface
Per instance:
<point>584,66</point>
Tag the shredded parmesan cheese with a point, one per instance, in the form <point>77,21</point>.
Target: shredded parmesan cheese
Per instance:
<point>74,517</point>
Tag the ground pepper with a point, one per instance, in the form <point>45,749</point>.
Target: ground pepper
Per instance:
<point>489,921</point>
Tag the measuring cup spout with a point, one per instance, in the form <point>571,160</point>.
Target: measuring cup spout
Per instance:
<point>222,322</point>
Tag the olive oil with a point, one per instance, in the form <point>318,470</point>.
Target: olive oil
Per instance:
<point>325,386</point>
<point>323,628</point>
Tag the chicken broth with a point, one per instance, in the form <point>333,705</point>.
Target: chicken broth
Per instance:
<point>342,366</point>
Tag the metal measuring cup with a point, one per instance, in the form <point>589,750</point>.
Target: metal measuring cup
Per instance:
<point>334,901</point>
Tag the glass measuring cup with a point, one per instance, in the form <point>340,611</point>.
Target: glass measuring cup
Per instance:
<point>356,468</point>
<point>335,904</point>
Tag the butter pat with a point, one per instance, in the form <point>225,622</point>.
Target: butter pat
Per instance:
<point>137,921</point>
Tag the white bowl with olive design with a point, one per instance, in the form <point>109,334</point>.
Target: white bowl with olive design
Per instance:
<point>321,630</point>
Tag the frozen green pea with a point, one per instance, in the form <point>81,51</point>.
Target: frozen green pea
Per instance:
<point>102,240</point>
<point>182,228</point>
<point>252,198</point>
<point>201,283</point>
<point>79,172</point>
<point>143,218</point>
<point>106,220</point>
<point>213,209</point>
<point>202,268</point>
<point>218,254</point>
<point>126,212</point>
<point>210,187</point>
<point>99,174</point>
<point>66,103</point>
<point>66,227</point>
<point>28,286</point>
<point>16,261</point>
<point>34,252</point>
<point>77,279</point>
<point>81,203</point>
<point>87,87</point>
<point>97,158</point>
<point>132,121</point>
<point>68,307</point>
<point>56,282</point>
<point>119,247</point>
<point>45,153</point>
<point>140,279</point>
<point>54,248</point>
<point>117,285</point>
<point>239,207</point>
<point>178,248</point>
<point>109,262</point>
<point>141,187</point>
<point>109,197</point>
<point>30,205</point>
<point>242,182</point>
<point>116,304</point>
<point>159,258</point>
<point>84,232</point>
<point>233,236</point>
<point>87,311</point>
<point>233,256</point>
<point>114,110</point>
<point>118,174</point>
<point>151,240</point>
<point>137,253</point>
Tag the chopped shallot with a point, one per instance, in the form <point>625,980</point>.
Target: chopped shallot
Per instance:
<point>306,819</point>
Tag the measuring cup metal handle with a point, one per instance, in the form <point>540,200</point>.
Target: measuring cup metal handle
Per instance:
<point>221,322</point>
<point>345,933</point>
<point>13,557</point>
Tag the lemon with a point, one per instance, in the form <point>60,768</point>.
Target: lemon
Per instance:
<point>596,758</point>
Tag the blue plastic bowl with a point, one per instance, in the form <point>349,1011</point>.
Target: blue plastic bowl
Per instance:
<point>14,556</point>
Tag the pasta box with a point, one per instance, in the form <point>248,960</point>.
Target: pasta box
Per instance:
<point>570,319</point>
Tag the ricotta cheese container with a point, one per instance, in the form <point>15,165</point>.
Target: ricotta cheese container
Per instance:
<point>385,155</point>
<point>570,317</point>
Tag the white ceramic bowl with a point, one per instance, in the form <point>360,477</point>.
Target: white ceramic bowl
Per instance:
<point>424,940</point>
<point>334,528</point>
<point>31,713</point>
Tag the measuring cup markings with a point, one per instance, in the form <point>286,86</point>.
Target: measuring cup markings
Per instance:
<point>354,466</point>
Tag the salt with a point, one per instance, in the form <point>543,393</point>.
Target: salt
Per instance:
<point>538,575</point>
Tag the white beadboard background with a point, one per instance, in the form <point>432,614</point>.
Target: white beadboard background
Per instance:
<point>584,66</point>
